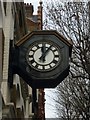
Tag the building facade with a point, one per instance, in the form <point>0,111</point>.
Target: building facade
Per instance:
<point>17,99</point>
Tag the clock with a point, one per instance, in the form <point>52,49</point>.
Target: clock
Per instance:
<point>42,58</point>
<point>43,55</point>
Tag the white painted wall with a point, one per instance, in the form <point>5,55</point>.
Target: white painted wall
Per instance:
<point>8,29</point>
<point>0,16</point>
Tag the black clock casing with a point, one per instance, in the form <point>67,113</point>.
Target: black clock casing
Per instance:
<point>43,58</point>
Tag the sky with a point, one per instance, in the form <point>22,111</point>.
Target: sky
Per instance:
<point>50,105</point>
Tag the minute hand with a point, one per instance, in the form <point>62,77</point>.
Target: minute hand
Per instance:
<point>44,54</point>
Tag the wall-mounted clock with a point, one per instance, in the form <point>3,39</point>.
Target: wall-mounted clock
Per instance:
<point>43,58</point>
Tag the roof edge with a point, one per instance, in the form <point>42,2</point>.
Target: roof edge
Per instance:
<point>44,32</point>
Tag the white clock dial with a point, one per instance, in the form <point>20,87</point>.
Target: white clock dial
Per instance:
<point>48,58</point>
<point>43,56</point>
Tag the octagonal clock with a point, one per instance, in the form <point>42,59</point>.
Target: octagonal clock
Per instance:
<point>43,55</point>
<point>43,58</point>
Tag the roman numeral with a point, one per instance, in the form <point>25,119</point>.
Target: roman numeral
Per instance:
<point>54,61</point>
<point>30,56</point>
<point>52,64</point>
<point>47,67</point>
<point>32,61</point>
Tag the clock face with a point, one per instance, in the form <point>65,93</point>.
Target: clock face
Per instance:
<point>43,55</point>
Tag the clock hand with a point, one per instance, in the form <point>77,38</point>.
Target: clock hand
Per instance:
<point>43,49</point>
<point>44,53</point>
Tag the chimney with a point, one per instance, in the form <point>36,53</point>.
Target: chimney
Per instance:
<point>39,13</point>
<point>29,10</point>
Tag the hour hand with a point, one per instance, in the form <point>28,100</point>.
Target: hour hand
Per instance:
<point>45,53</point>
<point>43,50</point>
